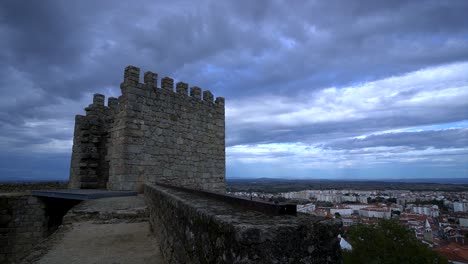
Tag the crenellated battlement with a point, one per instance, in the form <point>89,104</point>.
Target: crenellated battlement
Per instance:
<point>195,92</point>
<point>132,75</point>
<point>207,96</point>
<point>167,84</point>
<point>150,133</point>
<point>150,81</point>
<point>112,102</point>
<point>98,100</point>
<point>182,88</point>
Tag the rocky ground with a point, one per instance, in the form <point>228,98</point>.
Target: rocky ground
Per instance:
<point>108,231</point>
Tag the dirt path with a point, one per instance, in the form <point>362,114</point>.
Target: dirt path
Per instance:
<point>103,231</point>
<point>87,242</point>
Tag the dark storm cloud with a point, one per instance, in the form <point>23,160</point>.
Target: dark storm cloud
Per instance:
<point>55,54</point>
<point>313,132</point>
<point>70,48</point>
<point>433,96</point>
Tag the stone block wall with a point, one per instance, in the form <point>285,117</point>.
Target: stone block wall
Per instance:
<point>149,135</point>
<point>23,223</point>
<point>89,167</point>
<point>198,229</point>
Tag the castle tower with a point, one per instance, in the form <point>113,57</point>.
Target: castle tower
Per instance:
<point>150,134</point>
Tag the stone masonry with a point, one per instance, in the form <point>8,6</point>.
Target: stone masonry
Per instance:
<point>195,228</point>
<point>23,223</point>
<point>149,135</point>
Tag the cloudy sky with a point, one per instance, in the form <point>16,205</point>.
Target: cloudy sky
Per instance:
<point>319,89</point>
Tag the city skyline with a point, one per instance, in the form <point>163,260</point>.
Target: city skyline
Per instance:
<point>335,90</point>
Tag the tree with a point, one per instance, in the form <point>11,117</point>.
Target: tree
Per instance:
<point>387,242</point>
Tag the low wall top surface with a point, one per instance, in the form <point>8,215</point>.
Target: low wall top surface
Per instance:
<point>200,229</point>
<point>238,215</point>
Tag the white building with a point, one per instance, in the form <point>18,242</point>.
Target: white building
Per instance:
<point>406,200</point>
<point>429,210</point>
<point>459,207</point>
<point>376,212</point>
<point>356,207</point>
<point>362,199</point>
<point>306,208</point>
<point>349,221</point>
<point>297,195</point>
<point>342,211</point>
<point>332,198</point>
<point>463,222</point>
<point>349,198</point>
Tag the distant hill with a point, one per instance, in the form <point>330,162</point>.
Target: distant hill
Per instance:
<point>412,180</point>
<point>274,185</point>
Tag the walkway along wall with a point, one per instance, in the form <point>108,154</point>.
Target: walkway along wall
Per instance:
<point>148,135</point>
<point>194,228</point>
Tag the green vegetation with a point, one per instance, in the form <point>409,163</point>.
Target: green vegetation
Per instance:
<point>381,200</point>
<point>387,243</point>
<point>323,204</point>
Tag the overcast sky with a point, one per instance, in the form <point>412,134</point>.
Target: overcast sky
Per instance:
<point>319,89</point>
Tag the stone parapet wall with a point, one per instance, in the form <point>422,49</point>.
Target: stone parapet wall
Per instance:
<point>194,228</point>
<point>23,223</point>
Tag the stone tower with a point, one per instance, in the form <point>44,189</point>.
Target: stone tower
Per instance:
<point>428,232</point>
<point>148,135</point>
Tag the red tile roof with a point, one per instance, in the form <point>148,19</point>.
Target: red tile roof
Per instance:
<point>453,252</point>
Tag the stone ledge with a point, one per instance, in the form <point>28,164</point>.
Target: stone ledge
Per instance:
<point>109,210</point>
<point>199,229</point>
<point>26,187</point>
